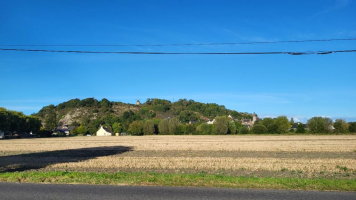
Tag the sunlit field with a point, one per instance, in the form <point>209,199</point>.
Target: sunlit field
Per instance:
<point>260,156</point>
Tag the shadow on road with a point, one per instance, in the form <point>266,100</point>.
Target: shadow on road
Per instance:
<point>30,161</point>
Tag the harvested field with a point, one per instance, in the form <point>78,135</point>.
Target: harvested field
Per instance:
<point>283,156</point>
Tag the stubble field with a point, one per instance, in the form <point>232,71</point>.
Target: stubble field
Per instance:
<point>258,156</point>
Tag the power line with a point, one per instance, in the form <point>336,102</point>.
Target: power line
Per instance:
<point>187,53</point>
<point>189,44</point>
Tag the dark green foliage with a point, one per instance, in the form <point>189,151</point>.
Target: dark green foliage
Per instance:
<point>186,116</point>
<point>148,127</point>
<point>300,128</point>
<point>352,127</point>
<point>269,124</point>
<point>190,129</point>
<point>51,120</point>
<point>221,125</point>
<point>104,103</point>
<point>259,129</point>
<point>243,130</point>
<point>231,128</point>
<point>341,126</point>
<point>282,124</point>
<point>203,129</point>
<point>319,125</point>
<point>117,128</point>
<point>174,126</point>
<point>17,121</point>
<point>136,128</point>
<point>163,127</point>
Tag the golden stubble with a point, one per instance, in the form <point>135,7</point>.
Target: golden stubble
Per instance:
<point>309,143</point>
<point>228,144</point>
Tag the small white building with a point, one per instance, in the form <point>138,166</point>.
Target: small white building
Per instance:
<point>103,132</point>
<point>211,121</point>
<point>2,135</point>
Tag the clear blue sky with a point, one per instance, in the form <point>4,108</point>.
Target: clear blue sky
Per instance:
<point>270,85</point>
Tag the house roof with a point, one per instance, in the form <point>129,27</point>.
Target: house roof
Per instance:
<point>107,130</point>
<point>65,128</point>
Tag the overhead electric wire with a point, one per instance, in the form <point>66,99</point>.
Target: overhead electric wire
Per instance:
<point>186,53</point>
<point>188,44</point>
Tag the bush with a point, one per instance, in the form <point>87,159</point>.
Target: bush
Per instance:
<point>259,129</point>
<point>243,130</point>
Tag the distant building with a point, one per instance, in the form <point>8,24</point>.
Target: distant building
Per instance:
<point>211,121</point>
<point>103,132</point>
<point>138,102</point>
<point>65,129</point>
<point>295,126</point>
<point>193,122</point>
<point>249,122</point>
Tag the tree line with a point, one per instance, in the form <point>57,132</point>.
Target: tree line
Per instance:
<point>17,122</point>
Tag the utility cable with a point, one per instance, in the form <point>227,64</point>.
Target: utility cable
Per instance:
<point>189,44</point>
<point>187,53</point>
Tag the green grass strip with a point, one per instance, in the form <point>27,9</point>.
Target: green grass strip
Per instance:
<point>189,180</point>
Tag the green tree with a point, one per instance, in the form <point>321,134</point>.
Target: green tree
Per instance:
<point>81,129</point>
<point>269,124</point>
<point>341,126</point>
<point>190,129</point>
<point>319,125</point>
<point>117,128</point>
<point>148,127</point>
<point>243,130</point>
<point>163,127</point>
<point>232,128</point>
<point>174,126</point>
<point>291,121</point>
<point>352,127</point>
<point>282,124</point>
<point>51,120</point>
<point>221,125</point>
<point>203,129</point>
<point>104,103</point>
<point>259,129</point>
<point>300,128</point>
<point>136,128</point>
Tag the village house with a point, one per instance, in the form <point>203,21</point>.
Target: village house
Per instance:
<point>64,129</point>
<point>103,132</point>
<point>210,121</point>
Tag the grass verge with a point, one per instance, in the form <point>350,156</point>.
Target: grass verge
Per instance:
<point>187,180</point>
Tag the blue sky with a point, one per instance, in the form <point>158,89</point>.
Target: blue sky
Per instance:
<point>270,85</point>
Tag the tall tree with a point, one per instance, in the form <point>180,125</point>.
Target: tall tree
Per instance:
<point>282,123</point>
<point>51,120</point>
<point>163,127</point>
<point>174,126</point>
<point>259,129</point>
<point>221,125</point>
<point>148,127</point>
<point>341,126</point>
<point>232,128</point>
<point>319,125</point>
<point>117,128</point>
<point>136,128</point>
<point>352,127</point>
<point>300,128</point>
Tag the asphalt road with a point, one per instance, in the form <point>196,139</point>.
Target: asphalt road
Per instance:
<point>10,191</point>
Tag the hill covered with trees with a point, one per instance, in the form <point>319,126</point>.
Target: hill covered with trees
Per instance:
<point>87,115</point>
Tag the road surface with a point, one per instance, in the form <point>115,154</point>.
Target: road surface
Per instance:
<point>12,191</point>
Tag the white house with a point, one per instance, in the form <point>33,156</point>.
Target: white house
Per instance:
<point>211,121</point>
<point>103,132</point>
<point>2,135</point>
